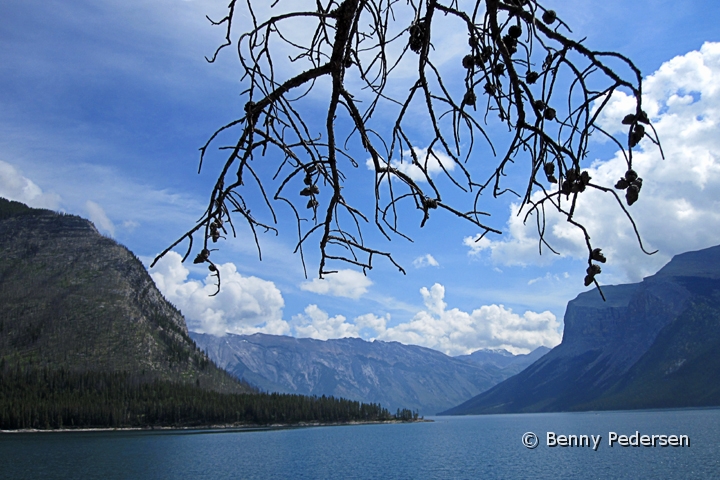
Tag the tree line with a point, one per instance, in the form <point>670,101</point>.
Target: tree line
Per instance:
<point>42,398</point>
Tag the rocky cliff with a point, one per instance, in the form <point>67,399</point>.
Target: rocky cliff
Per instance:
<point>653,344</point>
<point>72,298</point>
<point>389,373</point>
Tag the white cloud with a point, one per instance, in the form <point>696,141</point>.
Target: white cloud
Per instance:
<point>679,206</point>
<point>14,186</point>
<point>372,322</point>
<point>343,283</point>
<point>245,305</point>
<point>316,323</point>
<point>425,261</point>
<point>98,216</point>
<point>433,162</point>
<point>455,332</point>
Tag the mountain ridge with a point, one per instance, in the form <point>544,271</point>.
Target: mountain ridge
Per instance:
<point>389,373</point>
<point>75,299</point>
<point>605,360</point>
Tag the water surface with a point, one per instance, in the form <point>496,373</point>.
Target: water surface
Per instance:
<point>449,448</point>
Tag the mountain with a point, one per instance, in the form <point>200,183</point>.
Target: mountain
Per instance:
<point>506,361</point>
<point>654,344</point>
<point>75,300</point>
<point>389,373</point>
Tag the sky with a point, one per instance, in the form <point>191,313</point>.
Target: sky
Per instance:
<point>104,105</point>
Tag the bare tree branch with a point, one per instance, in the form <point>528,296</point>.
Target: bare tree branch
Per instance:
<point>520,65</point>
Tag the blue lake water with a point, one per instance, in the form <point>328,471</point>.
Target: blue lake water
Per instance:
<point>449,448</point>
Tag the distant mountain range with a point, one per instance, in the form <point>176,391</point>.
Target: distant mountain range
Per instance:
<point>389,373</point>
<point>654,344</point>
<point>73,299</point>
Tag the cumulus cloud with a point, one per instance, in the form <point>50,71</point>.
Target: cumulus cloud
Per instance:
<point>433,162</point>
<point>14,186</point>
<point>318,324</point>
<point>425,261</point>
<point>453,331</point>
<point>315,323</point>
<point>245,305</point>
<point>679,206</point>
<point>98,216</point>
<point>343,283</point>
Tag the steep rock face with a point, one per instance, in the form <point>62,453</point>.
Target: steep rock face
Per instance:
<point>605,343</point>
<point>70,297</point>
<point>389,373</point>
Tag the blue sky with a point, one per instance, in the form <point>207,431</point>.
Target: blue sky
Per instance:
<point>105,104</point>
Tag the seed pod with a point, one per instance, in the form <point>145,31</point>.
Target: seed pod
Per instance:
<point>468,61</point>
<point>539,105</point>
<point>417,36</point>
<point>643,118</point>
<point>585,177</point>
<point>308,180</point>
<point>631,175</point>
<point>631,195</point>
<point>622,184</point>
<point>305,192</point>
<point>549,114</point>
<point>430,203</point>
<point>598,256</point>
<point>594,269</point>
<point>552,179</point>
<point>312,203</point>
<point>638,183</point>
<point>549,168</point>
<point>629,119</point>
<point>473,41</point>
<point>532,77</point>
<point>499,69</point>
<point>571,175</point>
<point>588,280</point>
<point>549,16</point>
<point>314,189</point>
<point>348,62</point>
<point>510,44</point>
<point>515,31</point>
<point>566,188</point>
<point>202,256</point>
<point>212,268</point>
<point>635,137</point>
<point>489,88</point>
<point>469,98</point>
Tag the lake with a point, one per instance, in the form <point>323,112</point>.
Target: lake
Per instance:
<point>448,448</point>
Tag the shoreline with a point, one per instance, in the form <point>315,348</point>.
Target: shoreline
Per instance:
<point>219,428</point>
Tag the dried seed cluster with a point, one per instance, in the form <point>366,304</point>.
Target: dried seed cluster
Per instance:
<point>418,36</point>
<point>312,189</point>
<point>632,184</point>
<point>575,182</point>
<point>594,269</point>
